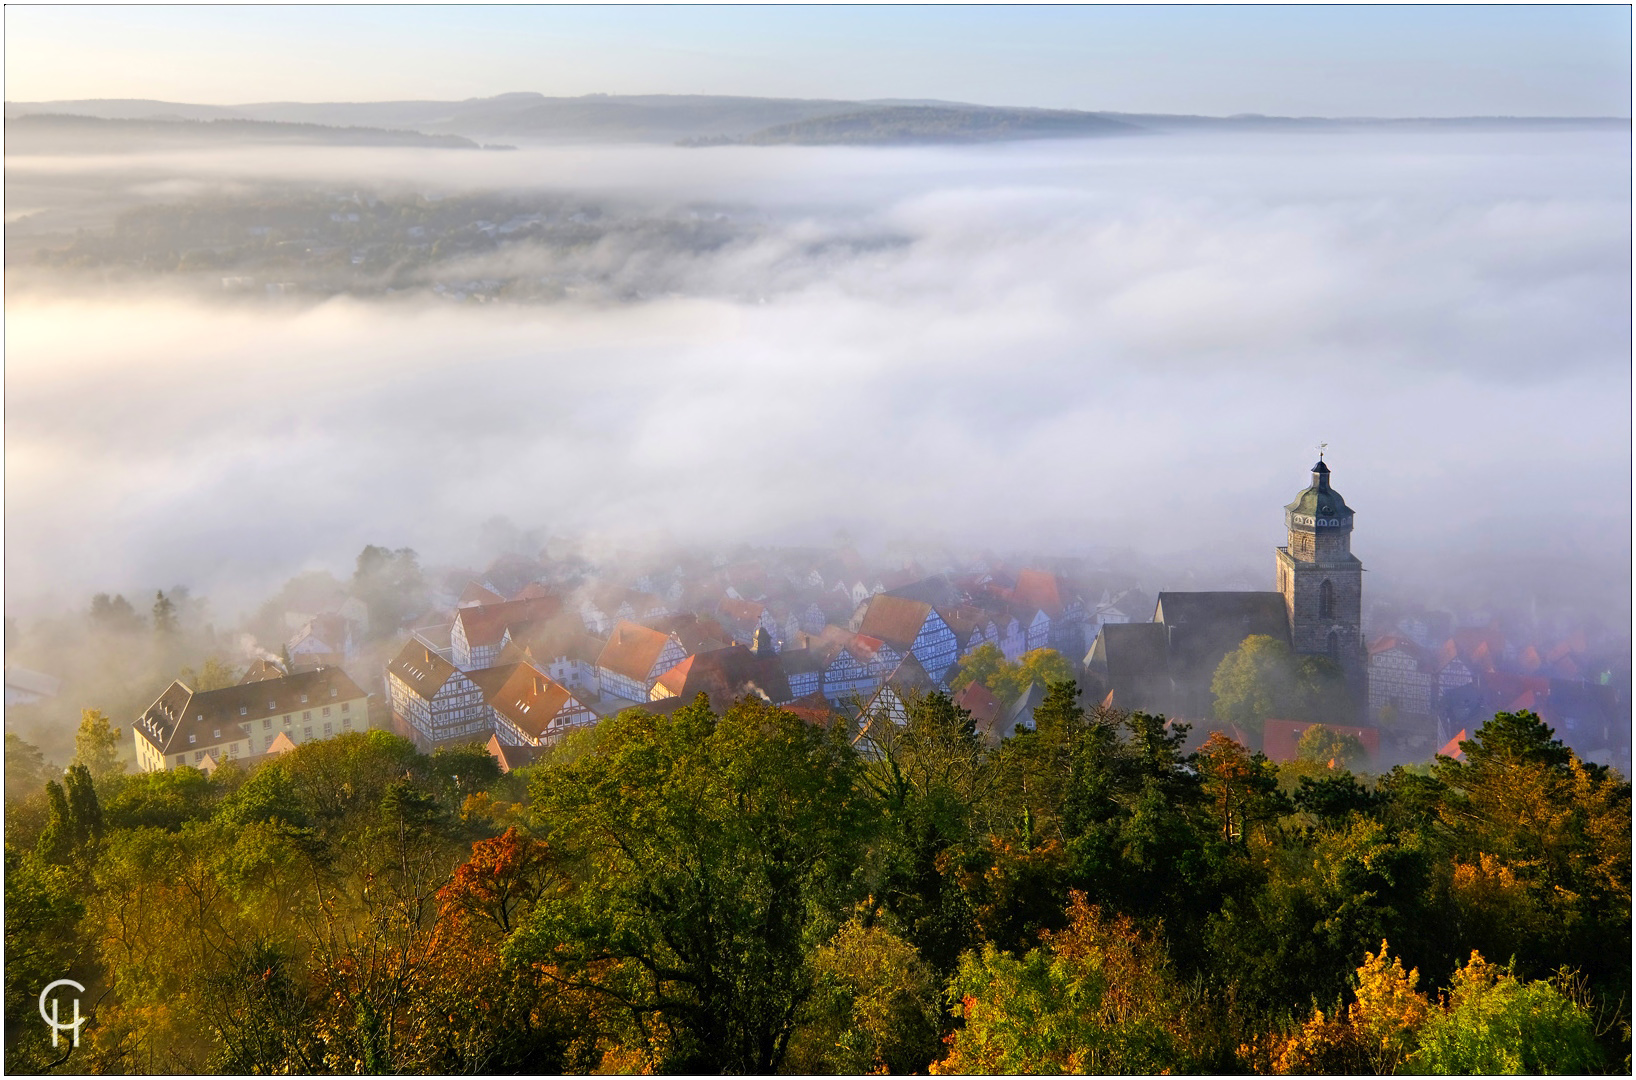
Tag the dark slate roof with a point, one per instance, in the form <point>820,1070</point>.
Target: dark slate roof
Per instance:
<point>1134,649</point>
<point>1205,626</point>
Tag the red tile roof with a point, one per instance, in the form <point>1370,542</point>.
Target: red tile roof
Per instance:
<point>1279,737</point>
<point>632,650</point>
<point>894,620</point>
<point>1452,747</point>
<point>476,592</point>
<point>486,625</point>
<point>1037,589</point>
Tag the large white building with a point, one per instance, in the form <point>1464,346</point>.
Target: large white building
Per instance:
<point>186,726</point>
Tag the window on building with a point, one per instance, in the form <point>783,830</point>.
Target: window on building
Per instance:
<point>198,755</point>
<point>265,743</point>
<point>333,692</point>
<point>181,759</point>
<point>286,719</point>
<point>272,706</point>
<point>303,699</point>
<point>329,729</point>
<point>216,734</point>
<point>307,715</point>
<point>266,722</point>
<point>193,738</point>
<point>1326,600</point>
<point>306,732</point>
<point>346,723</point>
<point>244,709</point>
<point>326,710</point>
<point>346,706</point>
<point>233,751</point>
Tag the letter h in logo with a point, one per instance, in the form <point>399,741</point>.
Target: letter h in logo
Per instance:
<point>52,1020</point>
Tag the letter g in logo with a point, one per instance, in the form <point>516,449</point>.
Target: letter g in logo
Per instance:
<point>52,1020</point>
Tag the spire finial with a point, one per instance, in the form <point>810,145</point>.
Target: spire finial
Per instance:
<point>1321,448</point>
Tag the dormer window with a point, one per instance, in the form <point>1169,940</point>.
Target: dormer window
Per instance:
<point>216,734</point>
<point>303,699</point>
<point>193,738</point>
<point>272,706</point>
<point>244,710</point>
<point>333,692</point>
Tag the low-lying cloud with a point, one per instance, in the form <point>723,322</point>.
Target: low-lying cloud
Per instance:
<point>1079,346</point>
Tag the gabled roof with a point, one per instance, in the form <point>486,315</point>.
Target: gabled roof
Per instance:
<point>534,590</point>
<point>476,593</point>
<point>524,695</point>
<point>561,636</point>
<point>512,757</point>
<point>1037,589</point>
<point>984,707</point>
<point>33,682</point>
<point>1132,649</point>
<point>486,625</point>
<point>894,619</point>
<point>740,611</point>
<point>964,620</point>
<point>1452,747</point>
<point>262,670</point>
<point>727,675</point>
<point>181,711</point>
<point>329,630</point>
<point>632,650</point>
<point>695,633</point>
<point>421,669</point>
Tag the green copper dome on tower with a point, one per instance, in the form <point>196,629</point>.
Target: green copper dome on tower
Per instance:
<point>1319,506</point>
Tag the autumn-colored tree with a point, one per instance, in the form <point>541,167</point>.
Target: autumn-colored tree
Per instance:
<point>1376,1033</point>
<point>875,1008</point>
<point>1098,997</point>
<point>1242,786</point>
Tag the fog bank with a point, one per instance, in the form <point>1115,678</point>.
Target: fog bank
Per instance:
<point>1077,347</point>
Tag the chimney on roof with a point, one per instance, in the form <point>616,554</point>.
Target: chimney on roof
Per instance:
<point>539,685</point>
<point>428,656</point>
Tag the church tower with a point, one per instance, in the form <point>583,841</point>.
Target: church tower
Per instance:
<point>1322,581</point>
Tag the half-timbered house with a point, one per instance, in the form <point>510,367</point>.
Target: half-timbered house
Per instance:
<point>433,703</point>
<point>912,627</point>
<point>479,631</point>
<point>528,707</point>
<point>634,658</point>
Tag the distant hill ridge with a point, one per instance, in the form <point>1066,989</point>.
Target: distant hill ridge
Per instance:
<point>56,131</point>
<point>714,120</point>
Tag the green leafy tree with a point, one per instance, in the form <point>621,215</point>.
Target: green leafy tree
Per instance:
<point>213,675</point>
<point>875,1007</point>
<point>1099,997</point>
<point>1007,680</point>
<point>390,582</point>
<point>1323,745</point>
<point>165,621</point>
<point>26,768</point>
<point>708,856</point>
<point>97,745</point>
<point>1262,679</point>
<point>1493,1022</point>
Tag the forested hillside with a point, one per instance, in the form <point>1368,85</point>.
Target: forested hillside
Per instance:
<point>749,892</point>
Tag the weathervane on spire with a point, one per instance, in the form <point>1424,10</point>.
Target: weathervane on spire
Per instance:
<point>1321,447</point>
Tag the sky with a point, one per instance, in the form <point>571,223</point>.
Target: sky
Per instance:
<point>1388,60</point>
